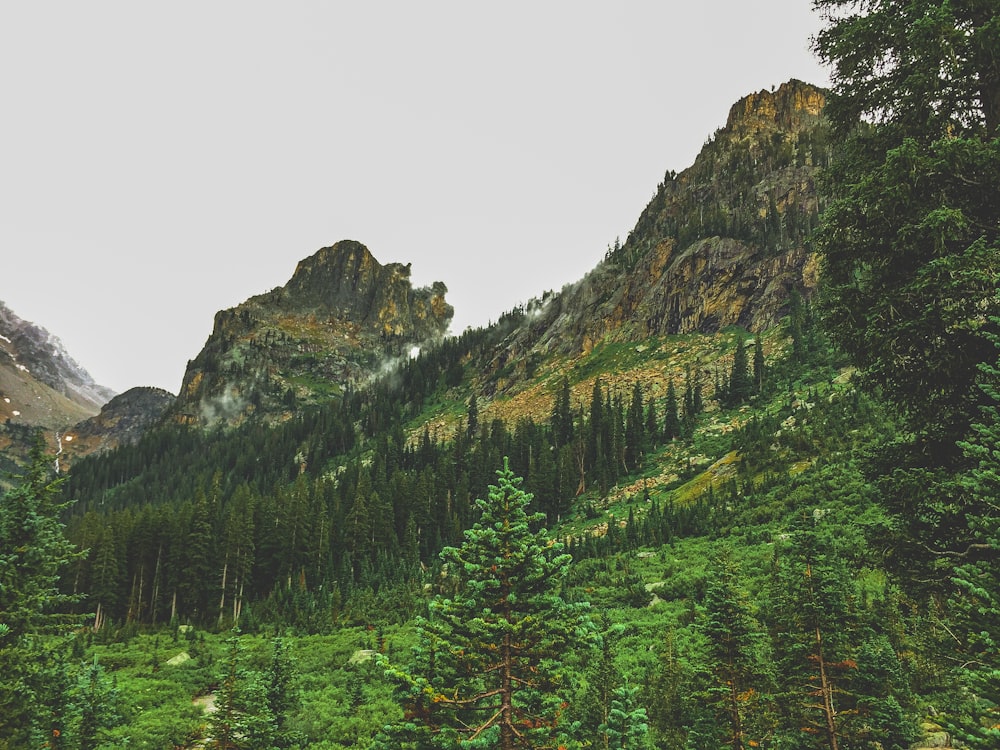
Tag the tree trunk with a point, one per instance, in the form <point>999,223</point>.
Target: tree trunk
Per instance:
<point>506,706</point>
<point>222,600</point>
<point>829,713</point>
<point>736,724</point>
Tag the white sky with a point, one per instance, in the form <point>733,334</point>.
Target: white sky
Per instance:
<point>162,161</point>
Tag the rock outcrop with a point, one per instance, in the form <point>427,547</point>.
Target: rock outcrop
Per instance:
<point>341,317</point>
<point>122,421</point>
<point>723,243</point>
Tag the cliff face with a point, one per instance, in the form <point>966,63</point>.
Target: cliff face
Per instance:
<point>337,320</point>
<point>722,243</point>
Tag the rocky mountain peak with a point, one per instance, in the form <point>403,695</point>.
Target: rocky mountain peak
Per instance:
<point>722,243</point>
<point>791,107</point>
<point>337,320</point>
<point>346,281</point>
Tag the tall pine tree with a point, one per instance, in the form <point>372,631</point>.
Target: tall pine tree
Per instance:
<point>504,633</point>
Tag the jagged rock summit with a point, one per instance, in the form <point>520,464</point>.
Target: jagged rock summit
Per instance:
<point>337,321</point>
<point>346,282</point>
<point>722,243</point>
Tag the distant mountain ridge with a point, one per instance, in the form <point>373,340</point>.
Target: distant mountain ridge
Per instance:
<point>33,350</point>
<point>723,243</point>
<point>41,388</point>
<point>121,421</point>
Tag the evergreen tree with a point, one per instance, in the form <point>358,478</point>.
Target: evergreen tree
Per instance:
<point>758,365</point>
<point>627,724</point>
<point>911,241</point>
<point>813,620</point>
<point>977,577</point>
<point>99,704</point>
<point>562,415</point>
<point>635,436</point>
<point>601,677</point>
<point>243,719</point>
<point>33,554</point>
<point>671,419</point>
<point>740,383</point>
<point>504,632</point>
<point>281,697</point>
<point>473,416</point>
<point>734,650</point>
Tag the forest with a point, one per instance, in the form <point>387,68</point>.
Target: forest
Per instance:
<point>789,540</point>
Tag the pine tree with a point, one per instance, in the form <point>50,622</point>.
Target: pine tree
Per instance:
<point>99,704</point>
<point>978,602</point>
<point>627,724</point>
<point>602,680</point>
<point>562,415</point>
<point>734,652</point>
<point>504,633</point>
<point>813,622</point>
<point>33,554</point>
<point>473,416</point>
<point>740,383</point>
<point>671,420</point>
<point>911,240</point>
<point>635,436</point>
<point>758,365</point>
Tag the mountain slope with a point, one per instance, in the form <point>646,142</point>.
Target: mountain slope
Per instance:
<point>41,387</point>
<point>722,243</point>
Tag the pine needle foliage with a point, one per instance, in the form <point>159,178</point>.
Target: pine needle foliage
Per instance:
<point>490,660</point>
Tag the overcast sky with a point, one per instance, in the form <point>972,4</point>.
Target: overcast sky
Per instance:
<point>162,161</point>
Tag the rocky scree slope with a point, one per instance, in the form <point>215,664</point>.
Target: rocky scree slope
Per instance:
<point>341,318</point>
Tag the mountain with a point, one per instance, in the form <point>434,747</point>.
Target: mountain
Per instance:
<point>121,421</point>
<point>37,353</point>
<point>705,482</point>
<point>722,243</point>
<point>41,386</point>
<point>339,319</point>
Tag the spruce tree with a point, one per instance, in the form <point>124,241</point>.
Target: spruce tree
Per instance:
<point>977,603</point>
<point>758,365</point>
<point>911,240</point>
<point>740,384</point>
<point>734,653</point>
<point>671,420</point>
<point>813,621</point>
<point>33,554</point>
<point>627,725</point>
<point>493,676</point>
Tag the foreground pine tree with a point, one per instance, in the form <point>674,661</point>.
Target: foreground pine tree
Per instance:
<point>490,656</point>
<point>977,602</point>
<point>33,554</point>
